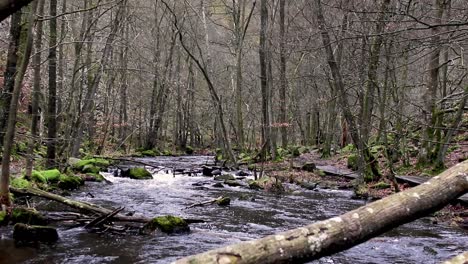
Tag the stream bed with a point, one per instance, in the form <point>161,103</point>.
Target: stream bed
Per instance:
<point>252,214</point>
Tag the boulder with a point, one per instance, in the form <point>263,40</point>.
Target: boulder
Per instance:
<point>225,177</point>
<point>168,224</point>
<point>139,174</point>
<point>207,171</point>
<point>310,167</point>
<point>32,233</point>
<point>309,185</point>
<point>90,168</point>
<point>20,182</point>
<point>70,182</point>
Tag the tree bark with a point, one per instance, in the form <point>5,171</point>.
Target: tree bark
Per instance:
<point>339,233</point>
<point>10,132</point>
<point>52,99</point>
<point>35,115</point>
<point>283,82</point>
<point>8,7</point>
<point>10,72</point>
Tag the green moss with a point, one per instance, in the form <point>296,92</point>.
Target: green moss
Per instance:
<point>167,224</point>
<point>27,216</point>
<point>320,173</point>
<point>20,183</point>
<point>353,161</point>
<point>69,182</point>
<point>80,164</point>
<point>139,174</point>
<point>361,191</point>
<point>90,168</point>
<point>46,176</point>
<point>149,153</point>
<point>348,149</point>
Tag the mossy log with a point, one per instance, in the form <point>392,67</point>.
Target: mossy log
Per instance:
<point>345,231</point>
<point>460,259</point>
<point>84,206</point>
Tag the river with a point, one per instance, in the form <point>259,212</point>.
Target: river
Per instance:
<point>252,214</point>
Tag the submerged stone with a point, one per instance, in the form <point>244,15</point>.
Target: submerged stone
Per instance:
<point>33,233</point>
<point>168,224</point>
<point>218,185</point>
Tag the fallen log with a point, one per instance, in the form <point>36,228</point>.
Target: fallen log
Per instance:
<point>88,207</point>
<point>460,259</point>
<point>339,233</point>
<point>103,218</point>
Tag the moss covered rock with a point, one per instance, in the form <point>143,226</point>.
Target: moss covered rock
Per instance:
<point>27,216</point>
<point>353,162</point>
<point>33,233</point>
<point>168,224</point>
<point>90,168</point>
<point>223,201</point>
<point>20,183</point>
<point>150,153</point>
<point>70,182</point>
<point>46,176</point>
<point>139,174</point>
<point>95,164</point>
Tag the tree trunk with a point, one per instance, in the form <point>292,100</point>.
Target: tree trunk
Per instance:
<point>10,72</point>
<point>339,233</point>
<point>10,132</point>
<point>35,115</point>
<point>263,53</point>
<point>52,99</point>
<point>283,82</point>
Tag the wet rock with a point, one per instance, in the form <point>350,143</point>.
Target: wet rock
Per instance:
<point>225,177</point>
<point>218,185</point>
<point>242,173</point>
<point>224,201</point>
<point>310,167</point>
<point>309,185</point>
<point>216,172</point>
<point>139,174</point>
<point>90,168</point>
<point>168,224</point>
<point>207,171</point>
<point>31,233</point>
<point>232,183</point>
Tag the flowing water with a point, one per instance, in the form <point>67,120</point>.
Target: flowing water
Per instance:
<point>252,214</point>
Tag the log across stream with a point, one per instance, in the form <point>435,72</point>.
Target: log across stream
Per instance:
<point>252,214</point>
